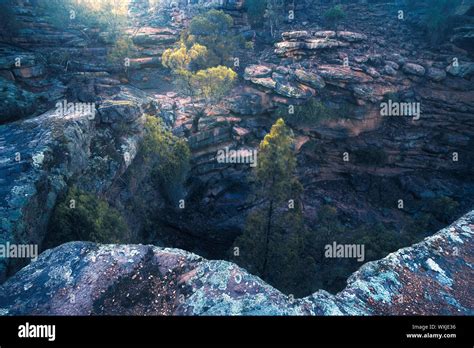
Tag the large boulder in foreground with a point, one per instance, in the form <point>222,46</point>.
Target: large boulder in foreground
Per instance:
<point>80,278</point>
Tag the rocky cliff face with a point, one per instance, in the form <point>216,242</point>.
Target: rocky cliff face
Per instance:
<point>43,67</point>
<point>351,71</point>
<point>42,154</point>
<point>432,277</point>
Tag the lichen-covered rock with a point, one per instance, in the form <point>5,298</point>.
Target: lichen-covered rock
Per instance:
<point>294,35</point>
<point>266,82</point>
<point>414,69</point>
<point>310,78</point>
<point>148,36</point>
<point>257,71</point>
<point>65,144</point>
<point>325,34</point>
<point>437,75</point>
<point>15,102</point>
<point>388,70</point>
<point>317,44</point>
<point>248,103</point>
<point>433,277</point>
<point>464,70</point>
<point>292,90</point>
<point>289,45</point>
<point>351,36</point>
<point>343,74</point>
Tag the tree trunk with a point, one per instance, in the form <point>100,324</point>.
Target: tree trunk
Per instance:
<point>267,240</point>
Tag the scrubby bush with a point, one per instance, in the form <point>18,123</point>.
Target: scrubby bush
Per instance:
<point>331,274</point>
<point>308,114</point>
<point>85,217</point>
<point>213,30</point>
<point>334,15</point>
<point>199,59</point>
<point>182,58</point>
<point>169,157</point>
<point>443,209</point>
<point>122,48</point>
<point>214,83</point>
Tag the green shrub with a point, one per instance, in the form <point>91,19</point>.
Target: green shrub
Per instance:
<point>335,14</point>
<point>85,217</point>
<point>122,48</point>
<point>379,240</point>
<point>168,155</point>
<point>443,209</point>
<point>249,45</point>
<point>213,30</point>
<point>309,114</point>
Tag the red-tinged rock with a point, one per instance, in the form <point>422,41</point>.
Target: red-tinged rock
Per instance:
<point>30,72</point>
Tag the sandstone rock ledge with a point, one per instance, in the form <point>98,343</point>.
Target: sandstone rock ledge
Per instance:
<point>79,278</point>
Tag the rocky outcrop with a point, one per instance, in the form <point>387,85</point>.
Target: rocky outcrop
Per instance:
<point>41,154</point>
<point>433,277</point>
<point>25,88</point>
<point>303,43</point>
<point>414,69</point>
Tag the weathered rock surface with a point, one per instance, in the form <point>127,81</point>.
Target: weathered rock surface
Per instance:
<point>414,69</point>
<point>464,70</point>
<point>310,78</point>
<point>39,155</point>
<point>434,277</point>
<point>303,43</point>
<point>257,71</point>
<point>154,36</point>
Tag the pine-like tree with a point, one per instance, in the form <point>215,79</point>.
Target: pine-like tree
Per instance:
<point>272,240</point>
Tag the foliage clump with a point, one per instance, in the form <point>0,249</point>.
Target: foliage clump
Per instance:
<point>335,14</point>
<point>121,49</point>
<point>311,113</point>
<point>168,156</point>
<point>83,216</point>
<point>199,59</point>
<point>213,30</point>
<point>271,242</point>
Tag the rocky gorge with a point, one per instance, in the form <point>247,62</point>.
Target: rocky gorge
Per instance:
<point>425,163</point>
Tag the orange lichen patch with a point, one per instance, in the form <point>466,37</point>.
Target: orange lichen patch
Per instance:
<point>412,299</point>
<point>463,276</point>
<point>186,278</point>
